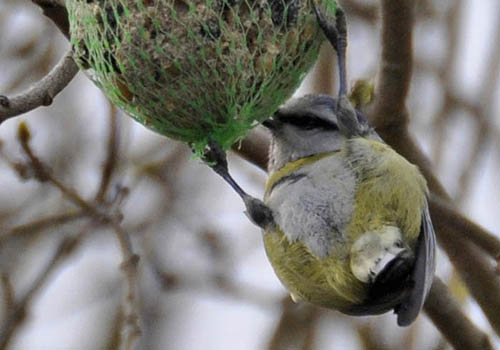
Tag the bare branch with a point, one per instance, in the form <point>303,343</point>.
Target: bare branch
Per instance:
<point>293,328</point>
<point>324,67</point>
<point>457,328</point>
<point>370,338</point>
<point>389,115</point>
<point>458,236</point>
<point>42,93</point>
<point>254,148</point>
<point>474,267</point>
<point>468,230</point>
<point>8,291</point>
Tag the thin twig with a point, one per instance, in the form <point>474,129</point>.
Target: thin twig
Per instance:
<point>130,260</point>
<point>445,72</point>
<point>171,280</point>
<point>131,330</point>
<point>40,225</point>
<point>43,174</point>
<point>468,230</point>
<point>42,93</point>
<point>111,157</point>
<point>18,312</point>
<point>486,112</point>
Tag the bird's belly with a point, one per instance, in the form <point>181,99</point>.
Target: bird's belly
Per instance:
<point>324,282</point>
<point>314,204</point>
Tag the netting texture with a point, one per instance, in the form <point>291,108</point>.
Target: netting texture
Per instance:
<point>197,69</point>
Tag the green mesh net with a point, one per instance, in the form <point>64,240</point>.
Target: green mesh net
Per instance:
<point>197,69</point>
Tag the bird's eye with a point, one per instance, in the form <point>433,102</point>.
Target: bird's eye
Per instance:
<point>308,122</point>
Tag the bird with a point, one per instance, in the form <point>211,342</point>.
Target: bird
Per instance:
<point>345,218</point>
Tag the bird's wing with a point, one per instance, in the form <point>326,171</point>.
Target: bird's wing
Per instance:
<point>422,275</point>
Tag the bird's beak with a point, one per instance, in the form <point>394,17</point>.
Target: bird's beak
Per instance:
<point>271,123</point>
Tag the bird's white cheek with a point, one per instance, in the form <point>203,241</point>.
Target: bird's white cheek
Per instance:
<point>373,250</point>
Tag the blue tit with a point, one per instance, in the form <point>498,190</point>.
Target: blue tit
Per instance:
<point>351,229</point>
<point>345,218</point>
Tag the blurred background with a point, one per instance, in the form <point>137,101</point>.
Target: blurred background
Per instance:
<point>203,280</point>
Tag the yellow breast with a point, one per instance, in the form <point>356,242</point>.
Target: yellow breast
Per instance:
<point>391,190</point>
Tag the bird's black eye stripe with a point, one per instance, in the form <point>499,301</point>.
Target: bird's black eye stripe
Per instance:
<point>307,122</point>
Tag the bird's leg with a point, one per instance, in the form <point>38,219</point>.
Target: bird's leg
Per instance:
<point>259,213</point>
<point>336,33</point>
